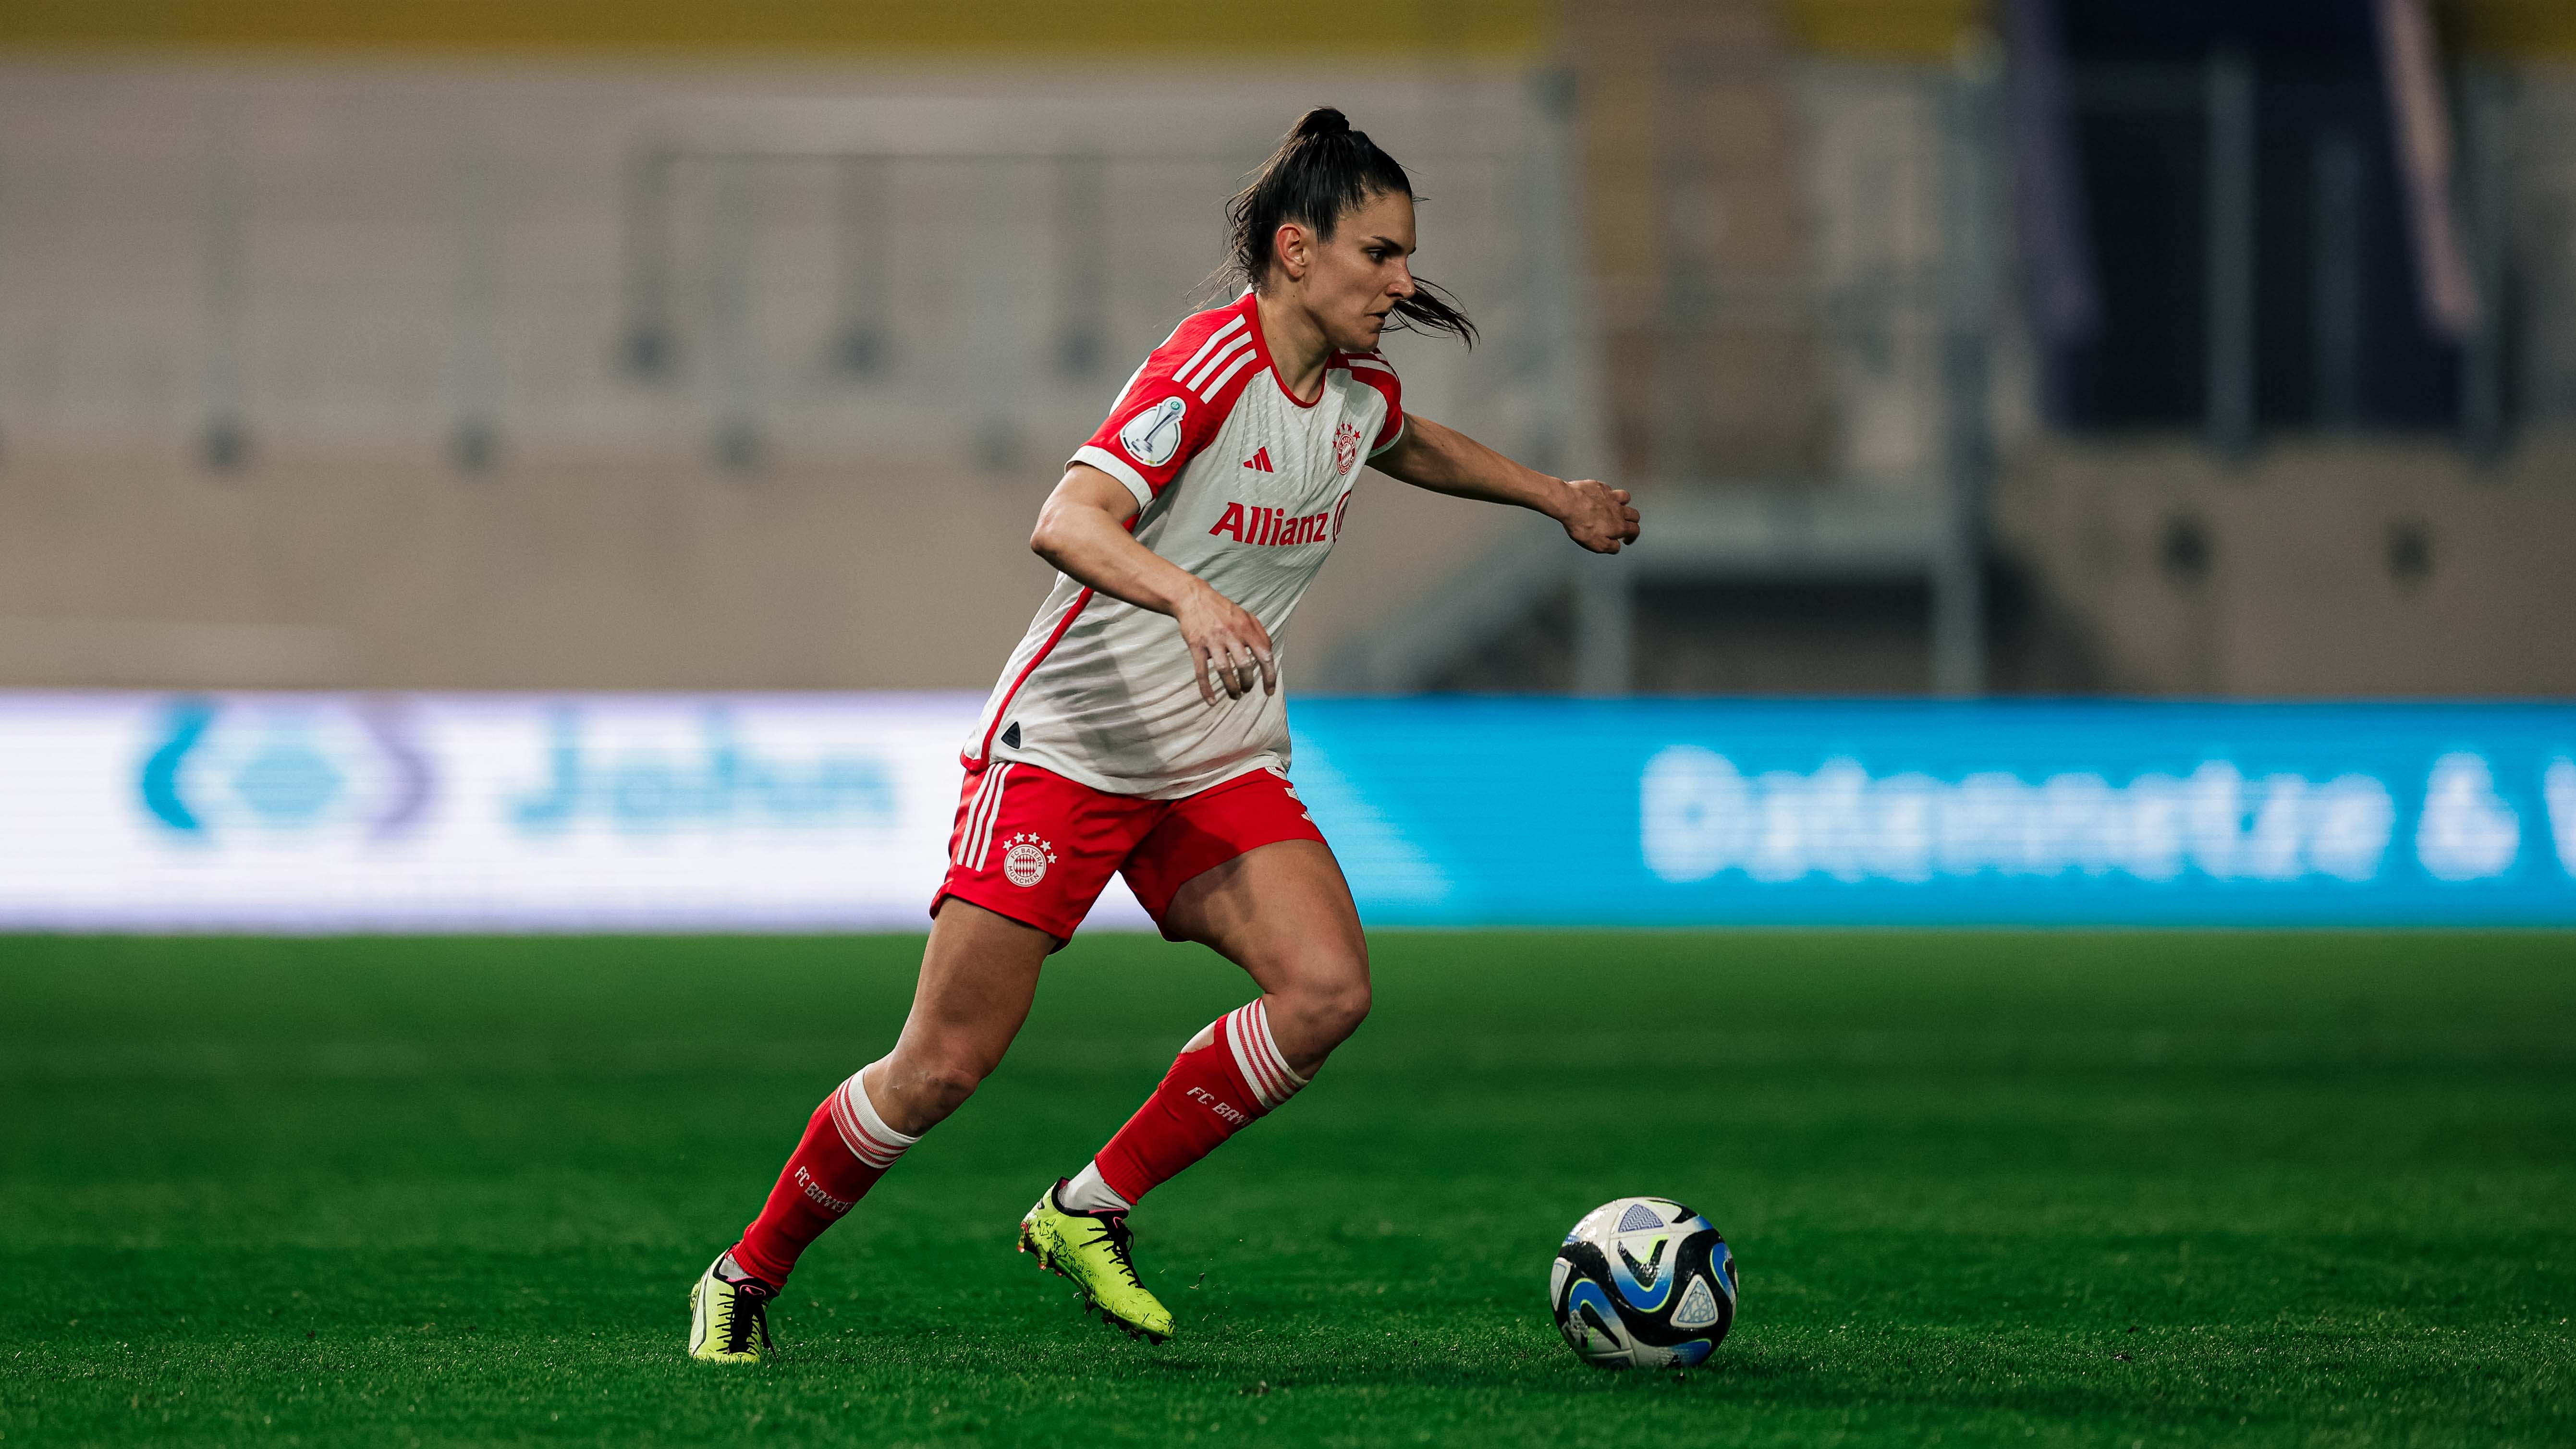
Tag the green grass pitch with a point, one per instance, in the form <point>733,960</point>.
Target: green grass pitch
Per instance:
<point>2025,1189</point>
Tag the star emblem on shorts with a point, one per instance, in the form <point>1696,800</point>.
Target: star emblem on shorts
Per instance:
<point>1033,840</point>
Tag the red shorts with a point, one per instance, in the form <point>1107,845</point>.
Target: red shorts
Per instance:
<point>1039,848</point>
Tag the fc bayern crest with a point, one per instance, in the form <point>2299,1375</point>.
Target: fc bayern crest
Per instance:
<point>1346,446</point>
<point>1025,859</point>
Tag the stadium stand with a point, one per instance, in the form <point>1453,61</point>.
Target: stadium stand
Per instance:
<point>465,347</point>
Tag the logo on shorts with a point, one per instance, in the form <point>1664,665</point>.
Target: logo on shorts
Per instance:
<point>1291,792</point>
<point>1154,435</point>
<point>1025,859</point>
<point>1346,446</point>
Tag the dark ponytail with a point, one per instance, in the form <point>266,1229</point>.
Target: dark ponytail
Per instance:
<point>1322,170</point>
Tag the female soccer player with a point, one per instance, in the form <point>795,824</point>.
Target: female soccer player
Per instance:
<point>1139,728</point>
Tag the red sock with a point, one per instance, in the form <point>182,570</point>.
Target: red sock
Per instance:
<point>846,1148</point>
<point>1209,1095</point>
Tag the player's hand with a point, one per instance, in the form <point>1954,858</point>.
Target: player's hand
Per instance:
<point>1229,649</point>
<point>1597,515</point>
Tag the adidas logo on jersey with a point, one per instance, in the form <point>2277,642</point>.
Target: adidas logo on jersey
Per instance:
<point>1272,527</point>
<point>1260,461</point>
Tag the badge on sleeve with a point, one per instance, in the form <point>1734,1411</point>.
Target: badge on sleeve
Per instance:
<point>1154,435</point>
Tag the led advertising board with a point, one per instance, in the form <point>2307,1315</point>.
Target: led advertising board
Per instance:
<point>296,812</point>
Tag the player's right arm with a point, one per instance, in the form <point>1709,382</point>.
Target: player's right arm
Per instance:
<point>1083,531</point>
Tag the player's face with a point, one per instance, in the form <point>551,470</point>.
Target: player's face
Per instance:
<point>1359,274</point>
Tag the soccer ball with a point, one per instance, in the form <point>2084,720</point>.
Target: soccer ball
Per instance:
<point>1643,1282</point>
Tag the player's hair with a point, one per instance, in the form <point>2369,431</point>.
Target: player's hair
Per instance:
<point>1322,170</point>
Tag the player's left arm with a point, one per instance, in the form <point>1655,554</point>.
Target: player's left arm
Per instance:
<point>1444,460</point>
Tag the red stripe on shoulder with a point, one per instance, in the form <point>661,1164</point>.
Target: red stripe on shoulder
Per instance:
<point>1178,399</point>
<point>1193,343</point>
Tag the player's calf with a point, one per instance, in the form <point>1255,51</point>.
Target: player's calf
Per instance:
<point>1229,1075</point>
<point>847,1146</point>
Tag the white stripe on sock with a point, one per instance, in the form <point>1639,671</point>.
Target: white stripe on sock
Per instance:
<point>1244,1061</point>
<point>1247,1035</point>
<point>862,1130</point>
<point>1269,1043</point>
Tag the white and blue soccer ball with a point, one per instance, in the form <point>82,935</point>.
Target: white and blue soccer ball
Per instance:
<point>1643,1282</point>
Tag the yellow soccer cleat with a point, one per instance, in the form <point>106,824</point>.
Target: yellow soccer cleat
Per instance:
<point>1091,1249</point>
<point>729,1317</point>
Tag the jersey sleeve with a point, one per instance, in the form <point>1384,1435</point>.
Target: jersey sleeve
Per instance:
<point>1378,373</point>
<point>1168,411</point>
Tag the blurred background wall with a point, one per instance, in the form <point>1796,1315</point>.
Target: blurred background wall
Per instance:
<point>2166,349</point>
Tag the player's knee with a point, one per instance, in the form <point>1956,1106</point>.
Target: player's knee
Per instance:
<point>938,1084</point>
<point>1332,1008</point>
<point>954,1082</point>
<point>1350,1005</point>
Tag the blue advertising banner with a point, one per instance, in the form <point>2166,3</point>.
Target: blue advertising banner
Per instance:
<point>1674,813</point>
<point>132,811</point>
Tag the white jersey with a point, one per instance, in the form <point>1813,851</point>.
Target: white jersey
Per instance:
<point>1240,483</point>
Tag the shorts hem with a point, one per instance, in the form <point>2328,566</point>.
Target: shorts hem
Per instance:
<point>966,891</point>
<point>1161,908</point>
